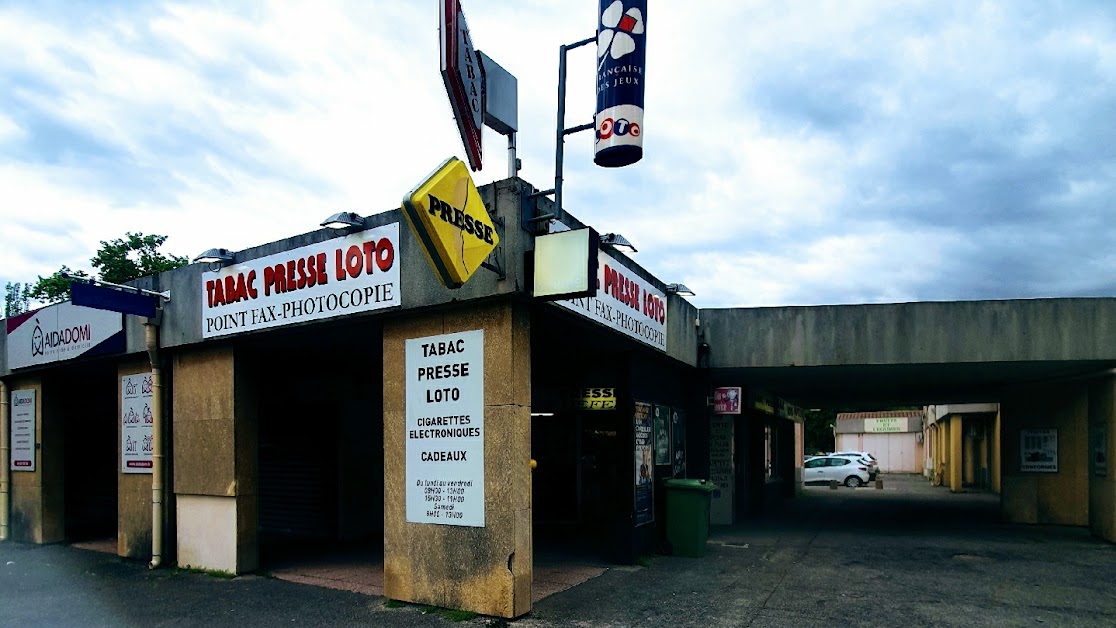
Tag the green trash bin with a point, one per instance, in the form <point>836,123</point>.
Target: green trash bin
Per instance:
<point>687,511</point>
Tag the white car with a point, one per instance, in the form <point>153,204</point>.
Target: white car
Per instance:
<point>847,470</point>
<point>873,465</point>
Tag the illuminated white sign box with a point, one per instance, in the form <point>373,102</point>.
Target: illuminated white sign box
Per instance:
<point>566,264</point>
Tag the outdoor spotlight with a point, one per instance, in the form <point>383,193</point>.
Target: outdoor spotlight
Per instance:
<point>343,220</point>
<point>617,241</point>
<point>215,256</point>
<point>680,289</point>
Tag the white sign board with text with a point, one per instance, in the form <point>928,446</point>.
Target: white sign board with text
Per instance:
<point>137,421</point>
<point>354,273</point>
<point>23,430</point>
<point>445,429</point>
<point>881,426</point>
<point>722,469</point>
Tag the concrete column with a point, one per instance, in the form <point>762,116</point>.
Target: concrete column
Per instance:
<point>215,455</point>
<point>38,497</point>
<point>133,507</point>
<point>943,441</point>
<point>483,569</point>
<point>1102,477</point>
<point>969,458</point>
<point>932,448</point>
<point>799,454</point>
<point>1060,497</point>
<point>956,434</point>
<point>984,454</point>
<point>997,455</point>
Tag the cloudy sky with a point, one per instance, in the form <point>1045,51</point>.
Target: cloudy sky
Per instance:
<point>797,153</point>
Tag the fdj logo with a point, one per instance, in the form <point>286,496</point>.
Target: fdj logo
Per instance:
<point>619,128</point>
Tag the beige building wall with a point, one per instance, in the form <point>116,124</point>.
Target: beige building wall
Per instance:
<point>896,452</point>
<point>997,454</point>
<point>1057,498</point>
<point>37,497</point>
<point>487,570</point>
<point>215,456</point>
<point>133,501</point>
<point>1102,477</point>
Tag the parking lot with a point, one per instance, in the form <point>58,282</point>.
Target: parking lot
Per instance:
<point>909,554</point>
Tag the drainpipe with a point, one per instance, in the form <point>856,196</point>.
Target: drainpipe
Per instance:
<point>151,336</point>
<point>5,469</point>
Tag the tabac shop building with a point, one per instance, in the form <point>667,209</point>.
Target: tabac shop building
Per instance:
<point>331,387</point>
<point>336,387</point>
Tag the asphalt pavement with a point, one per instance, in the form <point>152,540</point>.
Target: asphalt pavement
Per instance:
<point>907,555</point>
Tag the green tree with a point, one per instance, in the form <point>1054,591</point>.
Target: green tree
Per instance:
<point>133,256</point>
<point>818,430</point>
<point>56,287</point>
<point>117,261</point>
<point>16,298</point>
<point>818,426</point>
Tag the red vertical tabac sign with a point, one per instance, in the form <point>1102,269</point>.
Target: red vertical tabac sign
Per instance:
<point>463,75</point>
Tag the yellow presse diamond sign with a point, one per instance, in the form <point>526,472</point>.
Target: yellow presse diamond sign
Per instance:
<point>451,222</point>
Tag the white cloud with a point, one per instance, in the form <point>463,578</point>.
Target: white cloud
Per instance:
<point>794,152</point>
<point>9,130</point>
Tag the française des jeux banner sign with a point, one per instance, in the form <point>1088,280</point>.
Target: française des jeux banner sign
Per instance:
<point>621,56</point>
<point>346,275</point>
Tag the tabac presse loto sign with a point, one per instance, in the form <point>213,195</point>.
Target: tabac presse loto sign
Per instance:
<point>621,53</point>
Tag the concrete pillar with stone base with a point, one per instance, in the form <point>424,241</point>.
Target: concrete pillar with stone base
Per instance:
<point>37,497</point>
<point>133,507</point>
<point>956,435</point>
<point>482,569</point>
<point>215,461</point>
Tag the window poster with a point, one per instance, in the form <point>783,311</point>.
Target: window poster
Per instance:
<point>1039,450</point>
<point>445,429</point>
<point>662,435</point>
<point>644,464</point>
<point>721,469</point>
<point>137,422</point>
<point>678,432</point>
<point>726,399</point>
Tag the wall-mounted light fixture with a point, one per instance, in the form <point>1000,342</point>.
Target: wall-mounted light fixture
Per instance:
<point>617,241</point>
<point>679,289</point>
<point>344,220</point>
<point>215,257</point>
